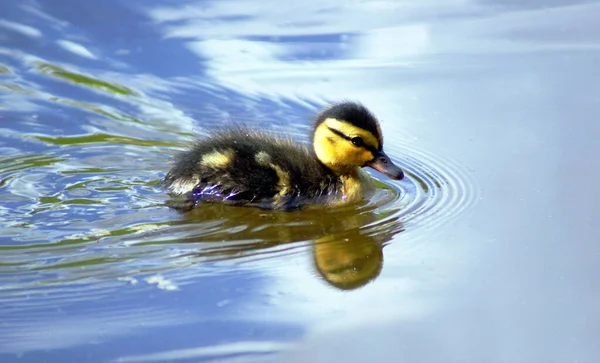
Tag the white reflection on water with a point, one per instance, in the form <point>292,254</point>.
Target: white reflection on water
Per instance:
<point>65,330</point>
<point>23,29</point>
<point>401,37</point>
<point>76,48</point>
<point>215,351</point>
<point>269,18</point>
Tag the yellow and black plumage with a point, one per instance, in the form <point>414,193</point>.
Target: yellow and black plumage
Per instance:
<point>243,167</point>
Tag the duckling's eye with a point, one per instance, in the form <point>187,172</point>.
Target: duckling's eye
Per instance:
<point>358,141</point>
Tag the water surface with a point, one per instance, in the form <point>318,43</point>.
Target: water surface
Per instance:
<point>486,252</point>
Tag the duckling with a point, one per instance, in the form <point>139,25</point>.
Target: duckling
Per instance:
<point>248,168</point>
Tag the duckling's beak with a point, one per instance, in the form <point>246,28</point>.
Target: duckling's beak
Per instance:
<point>383,164</point>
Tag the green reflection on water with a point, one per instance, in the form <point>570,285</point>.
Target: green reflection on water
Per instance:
<point>60,243</point>
<point>101,138</point>
<point>78,239</point>
<point>12,164</point>
<point>15,88</point>
<point>99,109</point>
<point>82,263</point>
<point>58,72</point>
<point>81,201</point>
<point>4,70</point>
<point>82,184</point>
<point>49,200</point>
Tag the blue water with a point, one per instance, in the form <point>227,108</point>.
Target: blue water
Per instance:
<point>486,252</point>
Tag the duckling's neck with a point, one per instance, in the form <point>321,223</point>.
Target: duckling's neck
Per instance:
<point>356,184</point>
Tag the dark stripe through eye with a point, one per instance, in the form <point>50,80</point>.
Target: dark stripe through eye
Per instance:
<point>356,141</point>
<point>339,133</point>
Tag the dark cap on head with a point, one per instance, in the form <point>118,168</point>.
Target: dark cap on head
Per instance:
<point>354,113</point>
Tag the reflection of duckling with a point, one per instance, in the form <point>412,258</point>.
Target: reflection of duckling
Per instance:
<point>346,242</point>
<point>242,167</point>
<point>347,264</point>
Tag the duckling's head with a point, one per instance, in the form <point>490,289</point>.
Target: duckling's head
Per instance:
<point>346,136</point>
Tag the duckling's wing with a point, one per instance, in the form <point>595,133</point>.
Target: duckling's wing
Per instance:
<point>239,170</point>
<point>242,182</point>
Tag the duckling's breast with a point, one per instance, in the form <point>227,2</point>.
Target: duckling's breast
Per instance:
<point>357,185</point>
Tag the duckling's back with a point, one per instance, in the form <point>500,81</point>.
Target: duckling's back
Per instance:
<point>242,167</point>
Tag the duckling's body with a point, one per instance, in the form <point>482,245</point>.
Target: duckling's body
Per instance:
<point>243,167</point>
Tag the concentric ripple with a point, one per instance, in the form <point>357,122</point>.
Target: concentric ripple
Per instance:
<point>435,189</point>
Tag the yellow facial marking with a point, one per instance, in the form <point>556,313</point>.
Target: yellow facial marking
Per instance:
<point>218,159</point>
<point>182,186</point>
<point>337,152</point>
<point>284,182</point>
<point>352,131</point>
